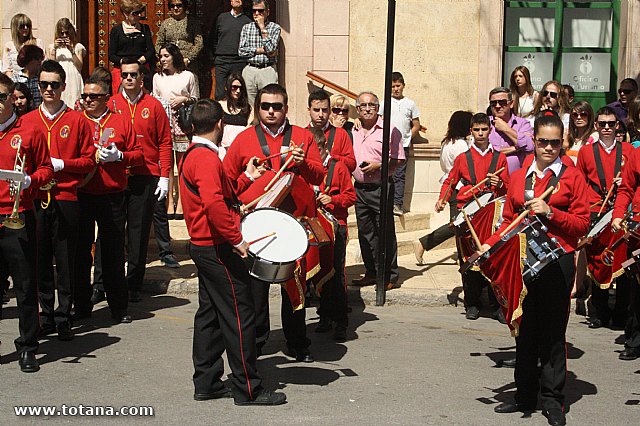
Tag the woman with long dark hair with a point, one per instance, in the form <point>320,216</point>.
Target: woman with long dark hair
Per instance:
<point>24,101</point>
<point>70,54</point>
<point>237,113</point>
<point>581,130</point>
<point>524,95</point>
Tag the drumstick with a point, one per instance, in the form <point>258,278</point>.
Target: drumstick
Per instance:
<point>261,238</point>
<point>256,201</point>
<point>446,194</point>
<point>262,160</point>
<point>473,188</point>
<point>604,203</point>
<point>473,231</point>
<point>524,213</point>
<point>282,169</point>
<point>477,201</point>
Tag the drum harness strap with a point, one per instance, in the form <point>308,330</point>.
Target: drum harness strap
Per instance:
<point>472,170</point>
<point>286,141</point>
<point>332,136</point>
<point>529,183</point>
<point>234,202</point>
<point>602,189</point>
<point>330,171</point>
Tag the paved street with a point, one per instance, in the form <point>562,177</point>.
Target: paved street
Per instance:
<point>401,365</point>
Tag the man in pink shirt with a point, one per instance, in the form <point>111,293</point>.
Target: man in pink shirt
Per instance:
<point>367,146</point>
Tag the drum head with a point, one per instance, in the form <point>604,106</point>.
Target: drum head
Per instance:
<point>601,224</point>
<point>279,187</point>
<point>289,243</point>
<point>472,207</point>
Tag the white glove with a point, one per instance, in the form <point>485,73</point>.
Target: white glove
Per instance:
<point>163,188</point>
<point>26,184</point>
<point>110,154</point>
<point>57,163</point>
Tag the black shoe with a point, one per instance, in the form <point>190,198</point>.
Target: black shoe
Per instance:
<point>596,323</point>
<point>134,296</point>
<point>222,393</point>
<point>473,313</point>
<point>301,355</point>
<point>179,216</point>
<point>507,363</point>
<point>324,325</point>
<point>629,354</point>
<point>97,296</point>
<point>512,407</point>
<point>169,261</point>
<point>5,298</point>
<point>65,333</point>
<point>47,329</point>
<point>28,362</point>
<point>340,333</point>
<point>266,398</point>
<point>555,417</point>
<point>364,281</point>
<point>122,318</point>
<point>498,315</point>
<point>81,314</point>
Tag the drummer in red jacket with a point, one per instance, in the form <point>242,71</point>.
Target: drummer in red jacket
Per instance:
<point>480,161</point>
<point>272,135</point>
<point>336,194</point>
<point>225,320</point>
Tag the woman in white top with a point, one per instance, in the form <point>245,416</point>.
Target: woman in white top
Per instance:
<point>70,55</point>
<point>179,87</point>
<point>21,34</point>
<point>522,90</point>
<point>581,129</point>
<point>454,143</point>
<point>237,113</point>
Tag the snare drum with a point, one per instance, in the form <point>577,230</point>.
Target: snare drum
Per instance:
<point>600,225</point>
<point>278,191</point>
<point>472,206</point>
<point>273,259</point>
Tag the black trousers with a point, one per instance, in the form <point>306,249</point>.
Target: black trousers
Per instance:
<point>632,329</point>
<point>368,220</point>
<point>161,228</point>
<point>107,210</point>
<point>473,282</point>
<point>18,252</point>
<point>542,336</point>
<point>333,298</point>
<point>600,300</point>
<point>443,233</point>
<point>57,231</point>
<point>225,320</point>
<point>293,322</point>
<point>222,70</point>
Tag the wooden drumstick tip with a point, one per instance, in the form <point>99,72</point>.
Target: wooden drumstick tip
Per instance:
<point>262,238</point>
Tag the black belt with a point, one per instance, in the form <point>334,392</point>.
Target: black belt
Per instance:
<point>370,185</point>
<point>260,65</point>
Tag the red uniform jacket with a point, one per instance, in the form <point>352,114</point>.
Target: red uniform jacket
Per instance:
<point>70,139</point>
<point>587,165</point>
<point>310,172</point>
<point>37,164</point>
<point>111,177</point>
<point>210,218</point>
<point>570,219</point>
<point>628,193</point>
<point>342,193</point>
<point>151,125</point>
<point>342,149</point>
<point>460,172</point>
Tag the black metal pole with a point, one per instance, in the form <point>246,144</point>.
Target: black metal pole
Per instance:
<point>386,132</point>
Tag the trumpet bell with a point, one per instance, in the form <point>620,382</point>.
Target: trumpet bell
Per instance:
<point>13,223</point>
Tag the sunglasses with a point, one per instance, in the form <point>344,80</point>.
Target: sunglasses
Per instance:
<point>92,96</point>
<point>340,110</point>
<point>235,87</point>
<point>555,143</point>
<point>137,12</point>
<point>176,5</point>
<point>624,91</point>
<point>260,11</point>
<point>604,124</point>
<point>44,85</point>
<point>4,97</point>
<point>133,75</point>
<point>370,105</point>
<point>266,106</point>
<point>501,102</point>
<point>25,26</point>
<point>579,114</point>
<point>546,93</point>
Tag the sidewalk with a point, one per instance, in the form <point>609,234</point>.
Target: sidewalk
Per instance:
<point>436,283</point>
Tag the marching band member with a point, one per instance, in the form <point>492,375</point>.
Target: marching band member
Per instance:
<point>339,143</point>
<point>23,147</point>
<point>148,182</point>
<point>336,195</point>
<point>225,319</point>
<point>602,164</point>
<point>56,204</point>
<point>481,160</point>
<point>272,135</point>
<point>541,333</point>
<point>102,201</point>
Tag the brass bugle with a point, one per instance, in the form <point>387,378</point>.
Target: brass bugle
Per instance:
<point>14,221</point>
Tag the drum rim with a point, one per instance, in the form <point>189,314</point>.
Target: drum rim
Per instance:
<point>281,211</point>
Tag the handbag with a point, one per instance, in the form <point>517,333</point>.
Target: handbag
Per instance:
<point>184,118</point>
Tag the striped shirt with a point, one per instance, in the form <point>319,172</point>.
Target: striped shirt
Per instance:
<point>251,39</point>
